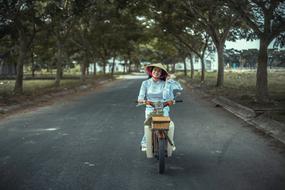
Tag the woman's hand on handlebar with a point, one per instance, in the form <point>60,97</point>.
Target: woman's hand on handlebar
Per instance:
<point>168,103</point>
<point>146,102</point>
<point>140,101</point>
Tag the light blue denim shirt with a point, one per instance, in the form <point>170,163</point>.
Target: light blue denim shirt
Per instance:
<point>156,91</point>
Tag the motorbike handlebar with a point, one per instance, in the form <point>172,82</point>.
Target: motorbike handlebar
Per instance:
<point>167,103</point>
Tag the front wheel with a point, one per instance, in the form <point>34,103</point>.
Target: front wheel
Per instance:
<point>161,155</point>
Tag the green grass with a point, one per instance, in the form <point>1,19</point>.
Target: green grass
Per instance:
<point>243,83</point>
<point>34,87</point>
<point>240,87</point>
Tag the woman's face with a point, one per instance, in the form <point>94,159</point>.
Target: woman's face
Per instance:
<point>156,72</point>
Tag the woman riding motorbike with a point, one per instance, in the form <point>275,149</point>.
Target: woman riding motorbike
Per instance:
<point>158,88</point>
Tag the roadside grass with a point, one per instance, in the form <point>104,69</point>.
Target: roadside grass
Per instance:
<point>36,87</point>
<point>32,87</point>
<point>239,84</point>
<point>240,87</point>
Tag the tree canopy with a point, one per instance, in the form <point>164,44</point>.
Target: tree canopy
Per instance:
<point>58,34</point>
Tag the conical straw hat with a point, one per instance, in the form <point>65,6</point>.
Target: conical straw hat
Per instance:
<point>149,67</point>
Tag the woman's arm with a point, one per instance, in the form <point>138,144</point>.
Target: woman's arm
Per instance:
<point>142,93</point>
<point>170,86</point>
<point>175,84</point>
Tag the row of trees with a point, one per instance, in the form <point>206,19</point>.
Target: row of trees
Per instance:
<point>248,58</point>
<point>192,22</point>
<point>55,33</point>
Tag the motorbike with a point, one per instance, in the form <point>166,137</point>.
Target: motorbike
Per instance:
<point>159,131</point>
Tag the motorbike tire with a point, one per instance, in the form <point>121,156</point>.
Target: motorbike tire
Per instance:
<point>161,155</point>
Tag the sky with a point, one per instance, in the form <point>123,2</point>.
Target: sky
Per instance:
<point>243,44</point>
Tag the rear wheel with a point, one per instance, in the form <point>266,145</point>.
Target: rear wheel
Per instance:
<point>161,155</point>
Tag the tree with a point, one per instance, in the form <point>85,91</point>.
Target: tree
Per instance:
<point>173,20</point>
<point>19,20</point>
<point>266,19</point>
<point>184,53</point>
<point>249,58</point>
<point>196,43</point>
<point>217,20</point>
<point>60,18</point>
<point>82,38</point>
<point>276,58</point>
<point>232,57</point>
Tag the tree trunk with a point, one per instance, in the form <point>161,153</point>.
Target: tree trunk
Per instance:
<point>87,63</point>
<point>104,66</point>
<point>113,65</point>
<point>87,70</point>
<point>173,67</point>
<point>130,66</point>
<point>220,51</point>
<point>261,74</point>
<point>192,67</point>
<point>202,69</point>
<point>84,68</point>
<point>125,64</point>
<point>137,65</point>
<point>129,56</point>
<point>185,67</point>
<point>33,64</point>
<point>95,69</point>
<point>83,71</point>
<point>18,88</point>
<point>58,64</point>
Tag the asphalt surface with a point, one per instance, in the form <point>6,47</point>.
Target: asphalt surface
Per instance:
<point>92,142</point>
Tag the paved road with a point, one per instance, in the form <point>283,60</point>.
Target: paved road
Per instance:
<point>92,142</point>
